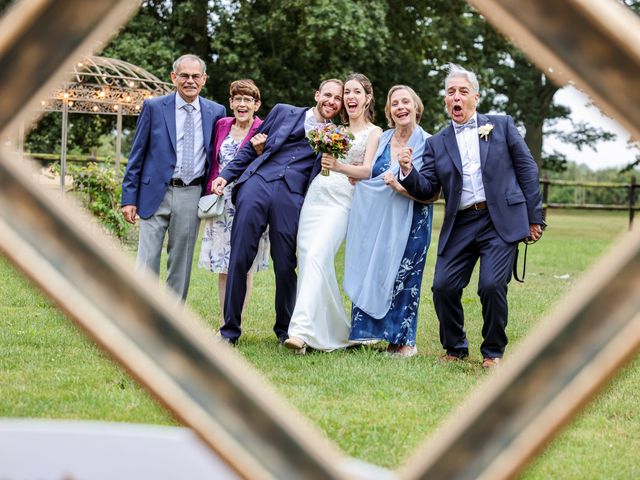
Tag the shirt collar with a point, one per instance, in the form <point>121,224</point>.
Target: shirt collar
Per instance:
<point>181,103</point>
<point>310,117</point>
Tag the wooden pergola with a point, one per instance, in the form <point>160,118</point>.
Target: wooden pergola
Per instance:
<point>100,86</point>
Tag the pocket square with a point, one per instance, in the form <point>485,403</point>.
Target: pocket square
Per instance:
<point>210,206</point>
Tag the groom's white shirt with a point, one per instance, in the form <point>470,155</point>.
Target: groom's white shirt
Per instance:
<point>469,148</point>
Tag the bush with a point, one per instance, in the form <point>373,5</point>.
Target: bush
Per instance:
<point>100,191</point>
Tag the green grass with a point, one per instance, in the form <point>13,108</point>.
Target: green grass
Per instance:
<point>374,407</point>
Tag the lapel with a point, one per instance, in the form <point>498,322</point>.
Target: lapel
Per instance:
<point>169,113</point>
<point>484,144</point>
<point>206,110</point>
<point>450,144</point>
<point>290,121</point>
<point>221,130</point>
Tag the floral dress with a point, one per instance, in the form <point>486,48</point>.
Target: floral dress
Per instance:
<point>399,325</point>
<point>216,239</point>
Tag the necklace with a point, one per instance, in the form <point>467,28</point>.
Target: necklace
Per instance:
<point>400,142</point>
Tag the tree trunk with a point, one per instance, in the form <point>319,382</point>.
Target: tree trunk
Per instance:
<point>533,139</point>
<point>535,123</point>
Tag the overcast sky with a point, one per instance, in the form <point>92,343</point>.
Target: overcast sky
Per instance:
<point>608,154</point>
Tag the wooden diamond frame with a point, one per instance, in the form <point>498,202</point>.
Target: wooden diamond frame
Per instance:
<point>556,370</point>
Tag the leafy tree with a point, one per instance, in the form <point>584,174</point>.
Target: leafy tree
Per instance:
<point>289,46</point>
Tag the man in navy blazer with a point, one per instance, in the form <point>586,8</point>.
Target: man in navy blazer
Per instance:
<point>269,190</point>
<point>490,182</point>
<point>167,171</point>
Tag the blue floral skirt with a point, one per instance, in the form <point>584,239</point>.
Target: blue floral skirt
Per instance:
<point>399,325</point>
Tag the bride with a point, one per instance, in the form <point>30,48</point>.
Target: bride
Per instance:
<point>319,319</point>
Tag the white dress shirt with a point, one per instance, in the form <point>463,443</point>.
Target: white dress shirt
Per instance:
<point>469,147</point>
<point>310,121</point>
<point>198,141</point>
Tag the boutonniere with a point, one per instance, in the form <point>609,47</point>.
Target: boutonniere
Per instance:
<point>485,130</point>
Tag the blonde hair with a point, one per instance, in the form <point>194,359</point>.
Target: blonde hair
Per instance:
<point>414,96</point>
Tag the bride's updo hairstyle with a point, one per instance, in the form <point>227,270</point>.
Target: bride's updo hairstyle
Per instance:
<point>362,79</point>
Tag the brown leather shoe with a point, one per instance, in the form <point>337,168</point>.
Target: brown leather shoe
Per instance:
<point>491,362</point>
<point>296,344</point>
<point>447,357</point>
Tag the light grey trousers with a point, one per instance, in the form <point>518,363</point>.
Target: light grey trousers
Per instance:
<point>177,215</point>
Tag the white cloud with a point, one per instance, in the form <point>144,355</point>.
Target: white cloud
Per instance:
<point>607,154</point>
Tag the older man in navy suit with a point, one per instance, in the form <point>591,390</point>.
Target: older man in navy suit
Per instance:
<point>493,201</point>
<point>167,168</point>
<point>269,190</point>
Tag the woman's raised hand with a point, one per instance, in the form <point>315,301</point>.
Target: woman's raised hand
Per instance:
<point>404,159</point>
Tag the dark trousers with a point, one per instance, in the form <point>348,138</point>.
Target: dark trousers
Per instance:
<point>260,203</point>
<point>473,237</point>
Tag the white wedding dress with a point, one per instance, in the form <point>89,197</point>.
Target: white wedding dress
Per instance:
<point>319,317</point>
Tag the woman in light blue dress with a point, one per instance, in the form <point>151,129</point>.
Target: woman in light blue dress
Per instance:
<point>388,236</point>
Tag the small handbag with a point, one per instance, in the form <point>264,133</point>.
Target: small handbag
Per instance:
<point>210,206</point>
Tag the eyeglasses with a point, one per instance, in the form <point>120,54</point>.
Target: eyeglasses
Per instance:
<point>245,100</point>
<point>185,76</point>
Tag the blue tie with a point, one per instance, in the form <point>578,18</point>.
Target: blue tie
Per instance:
<point>187,168</point>
<point>470,124</point>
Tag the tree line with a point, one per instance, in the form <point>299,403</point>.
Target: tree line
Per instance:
<point>288,46</point>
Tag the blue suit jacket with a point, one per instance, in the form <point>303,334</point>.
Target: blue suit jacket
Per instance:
<point>509,175</point>
<point>153,156</point>
<point>278,125</point>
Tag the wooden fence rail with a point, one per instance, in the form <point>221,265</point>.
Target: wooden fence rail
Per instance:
<point>630,206</point>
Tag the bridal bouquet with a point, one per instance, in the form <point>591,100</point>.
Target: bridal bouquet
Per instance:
<point>330,138</point>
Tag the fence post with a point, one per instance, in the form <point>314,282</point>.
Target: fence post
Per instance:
<point>632,200</point>
<point>545,195</point>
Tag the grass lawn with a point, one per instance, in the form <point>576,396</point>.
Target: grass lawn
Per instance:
<point>376,408</point>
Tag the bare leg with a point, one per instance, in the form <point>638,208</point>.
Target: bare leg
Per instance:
<point>222,287</point>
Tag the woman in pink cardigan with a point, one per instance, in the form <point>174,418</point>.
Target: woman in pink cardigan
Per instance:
<point>231,134</point>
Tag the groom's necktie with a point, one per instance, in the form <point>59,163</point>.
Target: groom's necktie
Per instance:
<point>187,168</point>
<point>470,124</point>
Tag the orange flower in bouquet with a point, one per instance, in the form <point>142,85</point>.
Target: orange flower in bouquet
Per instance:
<point>332,139</point>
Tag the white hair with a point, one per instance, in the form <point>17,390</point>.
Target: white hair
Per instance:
<point>189,56</point>
<point>456,71</point>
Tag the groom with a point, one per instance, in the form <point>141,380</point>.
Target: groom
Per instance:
<point>493,200</point>
<point>269,190</point>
